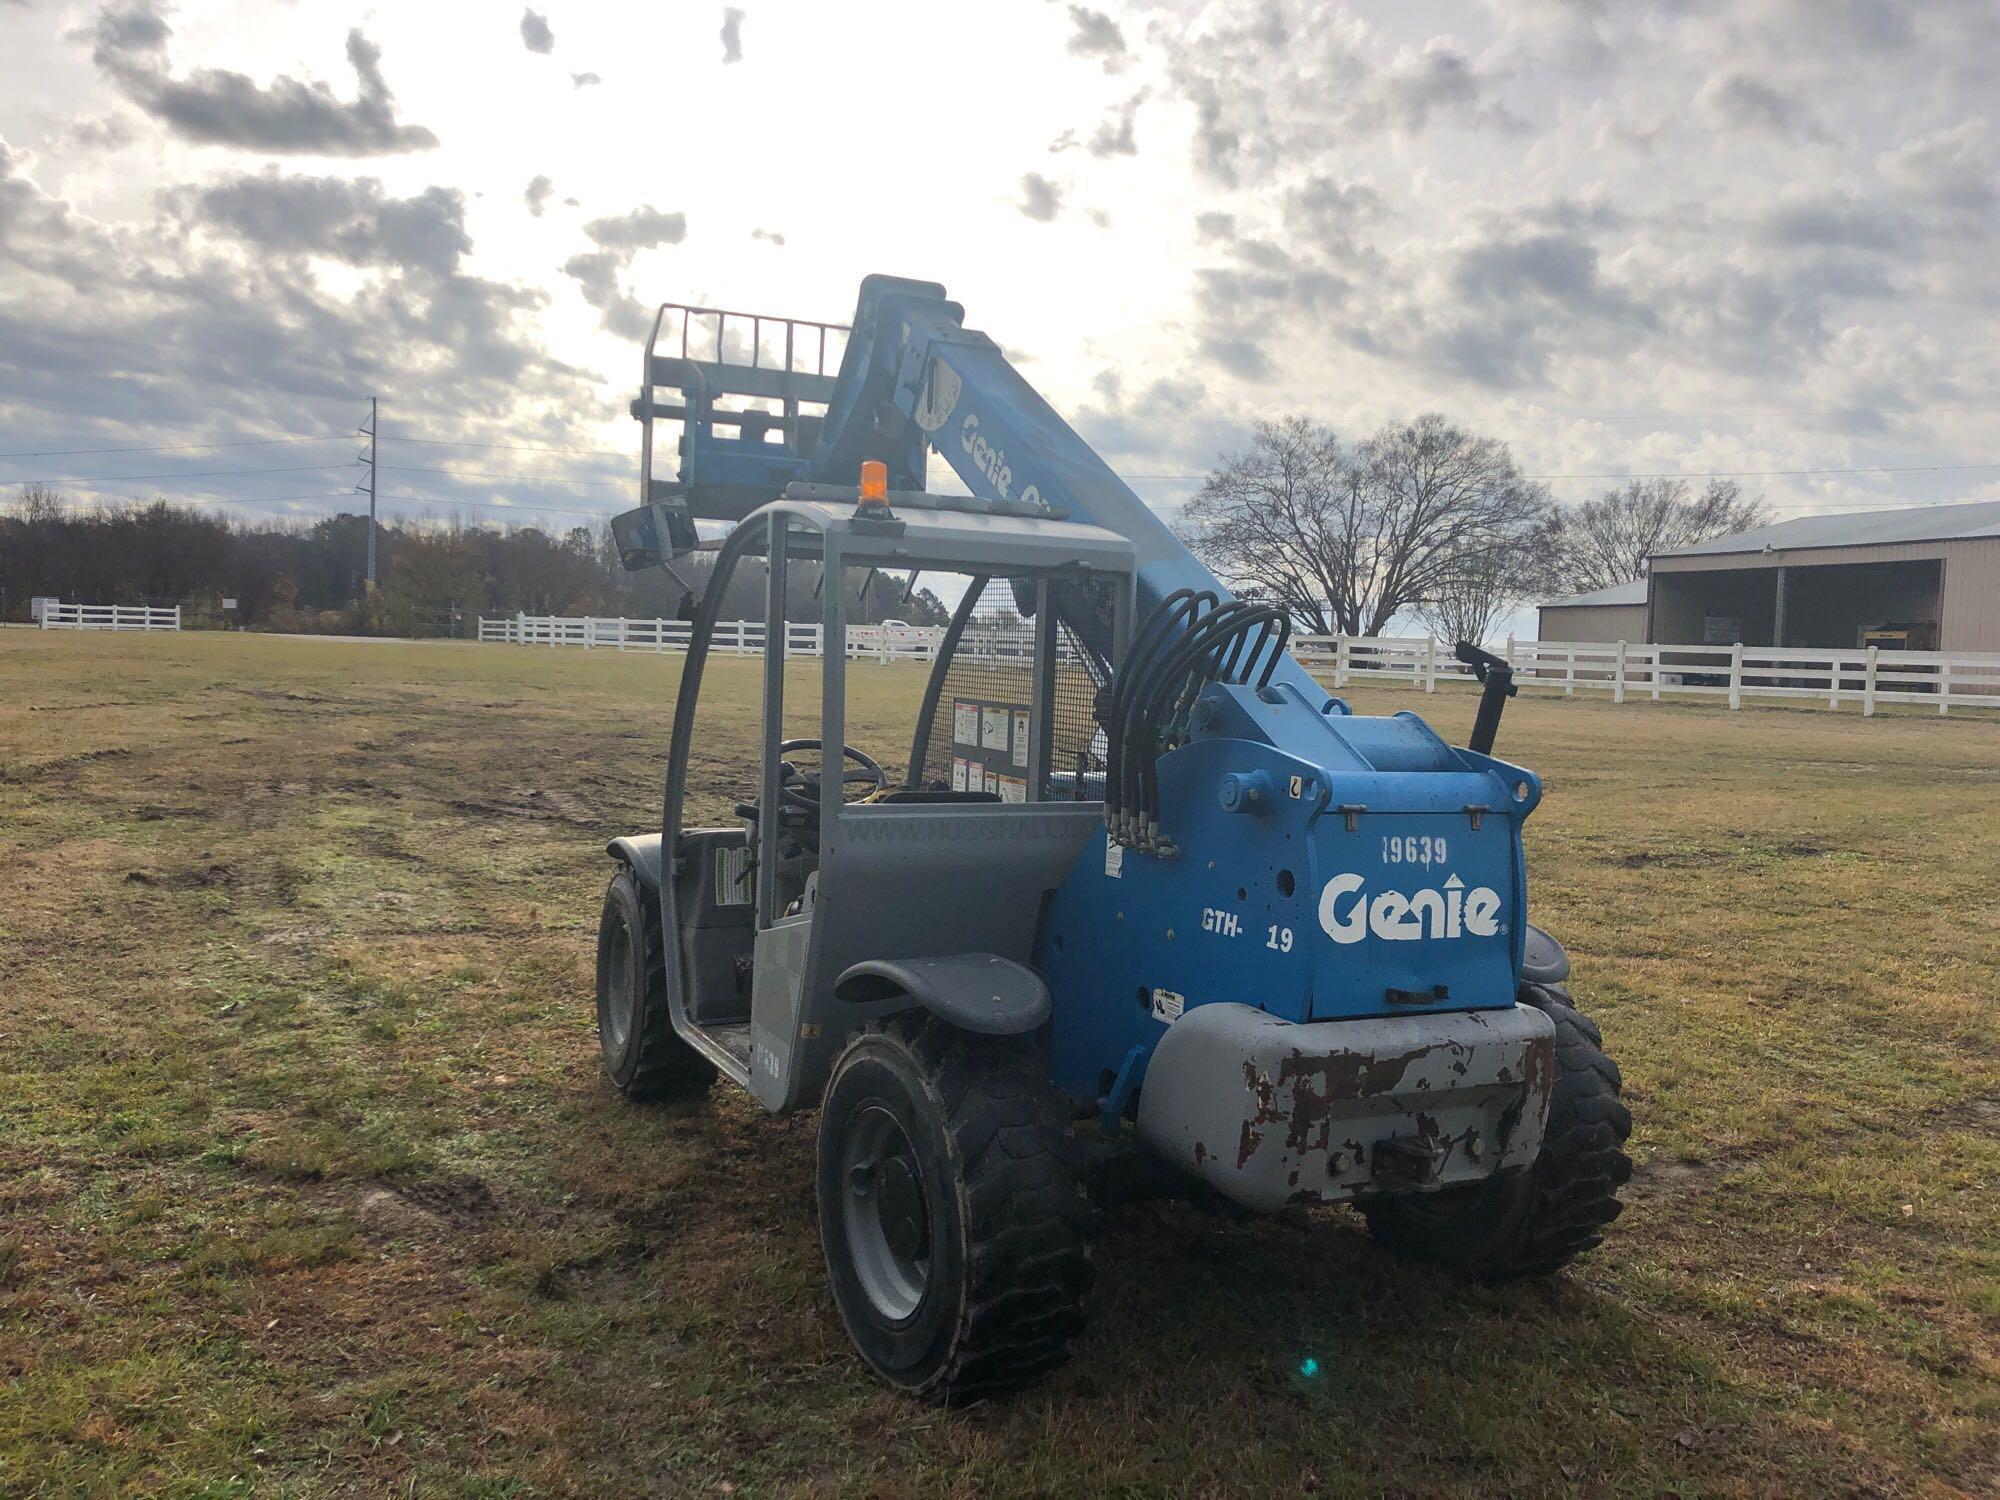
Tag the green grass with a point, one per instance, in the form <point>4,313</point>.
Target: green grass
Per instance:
<point>309,1183</point>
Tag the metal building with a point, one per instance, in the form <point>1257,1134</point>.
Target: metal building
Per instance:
<point>1614,614</point>
<point>1924,578</point>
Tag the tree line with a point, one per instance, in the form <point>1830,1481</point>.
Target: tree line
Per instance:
<point>434,578</point>
<point>1422,519</point>
<point>1427,519</point>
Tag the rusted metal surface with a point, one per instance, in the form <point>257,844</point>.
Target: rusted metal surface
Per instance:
<point>1271,1113</point>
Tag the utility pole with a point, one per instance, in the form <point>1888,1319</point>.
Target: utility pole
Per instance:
<point>374,424</point>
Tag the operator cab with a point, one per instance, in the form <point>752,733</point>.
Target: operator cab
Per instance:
<point>929,786</point>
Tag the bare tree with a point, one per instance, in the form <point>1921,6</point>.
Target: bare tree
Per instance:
<point>1605,542</point>
<point>1449,508</point>
<point>1346,539</point>
<point>1486,586</point>
<point>1275,521</point>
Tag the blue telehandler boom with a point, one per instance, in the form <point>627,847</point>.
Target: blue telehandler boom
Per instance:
<point>1140,869</point>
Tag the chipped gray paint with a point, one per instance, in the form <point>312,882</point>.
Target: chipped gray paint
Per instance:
<point>1270,1113</point>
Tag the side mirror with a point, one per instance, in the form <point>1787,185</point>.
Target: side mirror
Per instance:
<point>653,535</point>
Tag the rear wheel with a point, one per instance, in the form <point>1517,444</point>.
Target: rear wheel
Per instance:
<point>951,1210</point>
<point>1531,1222</point>
<point>643,1055</point>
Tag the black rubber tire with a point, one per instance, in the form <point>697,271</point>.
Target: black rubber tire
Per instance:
<point>643,1055</point>
<point>1531,1222</point>
<point>1007,1218</point>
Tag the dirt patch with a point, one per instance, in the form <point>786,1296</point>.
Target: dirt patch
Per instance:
<point>459,1198</point>
<point>192,879</point>
<point>21,771</point>
<point>532,802</point>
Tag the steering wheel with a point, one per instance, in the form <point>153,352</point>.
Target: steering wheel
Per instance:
<point>799,791</point>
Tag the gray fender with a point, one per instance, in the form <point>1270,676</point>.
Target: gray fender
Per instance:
<point>1543,960</point>
<point>642,852</point>
<point>977,992</point>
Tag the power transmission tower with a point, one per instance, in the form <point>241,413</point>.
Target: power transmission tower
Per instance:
<point>374,422</point>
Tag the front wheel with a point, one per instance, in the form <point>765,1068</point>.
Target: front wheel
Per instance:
<point>1531,1222</point>
<point>643,1054</point>
<point>951,1210</point>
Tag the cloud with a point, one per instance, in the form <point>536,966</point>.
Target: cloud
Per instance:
<point>1741,102</point>
<point>1325,215</point>
<point>351,220</point>
<point>1041,200</point>
<point>732,34</point>
<point>1177,422</point>
<point>1817,220</point>
<point>216,315</point>
<point>1951,169</point>
<point>641,229</point>
<point>596,274</point>
<point>618,238</point>
<point>1287,81</point>
<point>537,195</point>
<point>217,107</point>
<point>584,80</point>
<point>1113,136</point>
<point>1097,35</point>
<point>769,236</point>
<point>535,33</point>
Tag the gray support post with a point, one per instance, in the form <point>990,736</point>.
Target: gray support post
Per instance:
<point>1868,682</point>
<point>1736,675</point>
<point>1778,614</point>
<point>833,693</point>
<point>1042,702</point>
<point>774,724</point>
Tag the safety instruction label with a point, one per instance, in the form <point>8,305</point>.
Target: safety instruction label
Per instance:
<point>965,724</point>
<point>990,748</point>
<point>993,728</point>
<point>1167,1006</point>
<point>1114,860</point>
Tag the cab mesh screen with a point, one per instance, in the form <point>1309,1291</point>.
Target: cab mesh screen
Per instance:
<point>993,668</point>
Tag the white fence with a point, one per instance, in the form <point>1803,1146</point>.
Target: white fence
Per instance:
<point>51,614</point>
<point>1621,669</point>
<point>732,637</point>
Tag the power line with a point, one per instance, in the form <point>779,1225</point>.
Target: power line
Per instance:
<point>87,479</point>
<point>167,447</point>
<point>509,447</point>
<point>483,474</point>
<point>1698,473</point>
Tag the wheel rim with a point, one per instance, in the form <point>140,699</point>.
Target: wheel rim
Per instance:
<point>617,1020</point>
<point>885,1212</point>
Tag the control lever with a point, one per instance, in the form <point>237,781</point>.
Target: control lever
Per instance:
<point>1498,679</point>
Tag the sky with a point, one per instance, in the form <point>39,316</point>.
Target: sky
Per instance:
<point>1680,238</point>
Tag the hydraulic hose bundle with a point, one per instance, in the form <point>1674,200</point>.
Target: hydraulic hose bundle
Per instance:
<point>1189,641</point>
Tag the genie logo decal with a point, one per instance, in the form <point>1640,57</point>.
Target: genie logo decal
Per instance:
<point>991,461</point>
<point>1398,918</point>
<point>941,388</point>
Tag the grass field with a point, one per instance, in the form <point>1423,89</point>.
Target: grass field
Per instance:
<point>309,1183</point>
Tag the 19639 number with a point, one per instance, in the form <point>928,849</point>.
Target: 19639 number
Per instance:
<point>1414,849</point>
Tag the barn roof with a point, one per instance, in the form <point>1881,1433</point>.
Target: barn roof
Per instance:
<point>1912,523</point>
<point>1619,593</point>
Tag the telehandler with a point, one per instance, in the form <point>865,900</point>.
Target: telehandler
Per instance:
<point>1137,868</point>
